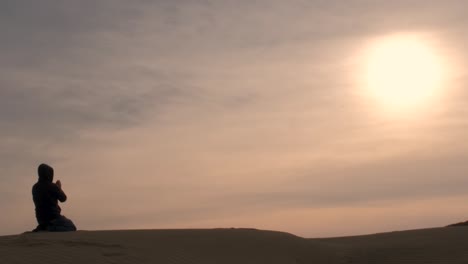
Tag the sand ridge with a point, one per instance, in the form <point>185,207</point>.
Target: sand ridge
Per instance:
<point>158,246</point>
<point>190,246</point>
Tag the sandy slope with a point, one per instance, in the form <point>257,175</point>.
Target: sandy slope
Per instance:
<point>442,245</point>
<point>436,245</point>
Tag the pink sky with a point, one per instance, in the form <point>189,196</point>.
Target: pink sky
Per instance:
<point>175,114</point>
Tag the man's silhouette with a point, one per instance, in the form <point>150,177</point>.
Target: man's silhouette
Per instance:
<point>46,195</point>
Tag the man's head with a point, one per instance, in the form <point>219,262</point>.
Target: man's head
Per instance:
<point>45,172</point>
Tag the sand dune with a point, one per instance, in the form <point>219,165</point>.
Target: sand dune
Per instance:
<point>439,245</point>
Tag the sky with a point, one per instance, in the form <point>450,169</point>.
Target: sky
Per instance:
<point>206,114</point>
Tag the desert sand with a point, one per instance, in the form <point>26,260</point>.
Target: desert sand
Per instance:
<point>224,246</point>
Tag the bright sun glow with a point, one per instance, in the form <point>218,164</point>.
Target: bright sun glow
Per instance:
<point>402,73</point>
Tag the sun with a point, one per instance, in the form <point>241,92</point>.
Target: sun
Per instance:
<point>402,72</point>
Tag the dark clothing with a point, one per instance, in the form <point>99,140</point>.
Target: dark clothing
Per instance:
<point>46,196</point>
<point>60,224</point>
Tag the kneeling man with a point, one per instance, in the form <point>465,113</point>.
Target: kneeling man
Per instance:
<point>46,195</point>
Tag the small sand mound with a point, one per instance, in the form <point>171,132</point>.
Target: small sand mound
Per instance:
<point>459,224</point>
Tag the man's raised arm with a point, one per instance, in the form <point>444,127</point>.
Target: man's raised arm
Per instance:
<point>61,196</point>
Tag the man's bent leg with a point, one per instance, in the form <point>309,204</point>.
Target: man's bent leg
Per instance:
<point>61,224</point>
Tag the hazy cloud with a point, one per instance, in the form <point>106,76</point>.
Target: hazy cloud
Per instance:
<point>209,108</point>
